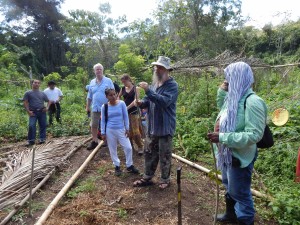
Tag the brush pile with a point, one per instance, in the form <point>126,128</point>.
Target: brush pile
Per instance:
<point>16,174</point>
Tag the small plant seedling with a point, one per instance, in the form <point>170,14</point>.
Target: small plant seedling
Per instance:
<point>83,213</point>
<point>122,213</point>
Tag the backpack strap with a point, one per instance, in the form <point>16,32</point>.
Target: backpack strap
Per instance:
<point>106,115</point>
<point>246,99</point>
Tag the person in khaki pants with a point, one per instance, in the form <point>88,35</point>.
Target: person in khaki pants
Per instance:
<point>95,99</point>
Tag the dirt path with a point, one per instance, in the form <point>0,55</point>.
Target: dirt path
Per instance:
<point>101,198</point>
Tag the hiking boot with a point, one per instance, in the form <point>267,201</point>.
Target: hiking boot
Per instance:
<point>92,145</point>
<point>229,216</point>
<point>132,169</point>
<point>118,171</point>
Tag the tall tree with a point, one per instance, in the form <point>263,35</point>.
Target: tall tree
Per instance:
<point>187,28</point>
<point>93,36</point>
<point>38,22</point>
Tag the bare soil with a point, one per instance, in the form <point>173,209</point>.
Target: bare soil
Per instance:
<point>114,200</point>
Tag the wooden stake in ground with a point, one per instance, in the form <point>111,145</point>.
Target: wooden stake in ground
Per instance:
<point>31,181</point>
<point>179,195</point>
<point>67,186</point>
<point>217,184</point>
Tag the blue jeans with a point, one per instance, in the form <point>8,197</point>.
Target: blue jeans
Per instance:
<point>41,117</point>
<point>237,182</point>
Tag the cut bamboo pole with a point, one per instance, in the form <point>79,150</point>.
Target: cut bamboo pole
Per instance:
<point>203,169</point>
<point>67,186</point>
<point>45,179</point>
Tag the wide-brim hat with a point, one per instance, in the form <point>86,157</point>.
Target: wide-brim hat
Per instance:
<point>164,62</point>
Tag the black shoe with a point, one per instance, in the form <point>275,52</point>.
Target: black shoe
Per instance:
<point>104,144</point>
<point>229,216</point>
<point>243,223</point>
<point>41,142</point>
<point>30,144</point>
<point>92,145</point>
<point>118,171</point>
<point>132,169</point>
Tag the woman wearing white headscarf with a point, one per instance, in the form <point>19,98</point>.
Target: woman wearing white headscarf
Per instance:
<point>239,126</point>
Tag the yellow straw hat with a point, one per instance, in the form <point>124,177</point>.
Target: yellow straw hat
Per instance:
<point>280,116</point>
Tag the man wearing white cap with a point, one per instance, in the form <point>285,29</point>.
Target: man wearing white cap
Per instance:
<point>160,100</point>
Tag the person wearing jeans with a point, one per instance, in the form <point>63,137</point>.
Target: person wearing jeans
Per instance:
<point>239,126</point>
<point>41,118</point>
<point>34,103</point>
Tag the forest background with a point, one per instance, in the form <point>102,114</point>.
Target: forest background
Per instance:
<point>38,41</point>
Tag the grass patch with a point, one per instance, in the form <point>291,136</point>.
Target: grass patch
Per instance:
<point>122,213</point>
<point>84,186</point>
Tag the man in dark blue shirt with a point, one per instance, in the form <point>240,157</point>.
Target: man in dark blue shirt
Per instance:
<point>160,100</point>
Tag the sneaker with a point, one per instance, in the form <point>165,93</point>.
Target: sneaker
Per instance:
<point>118,171</point>
<point>132,169</point>
<point>92,145</point>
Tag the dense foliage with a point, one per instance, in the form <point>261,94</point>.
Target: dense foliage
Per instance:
<point>37,41</point>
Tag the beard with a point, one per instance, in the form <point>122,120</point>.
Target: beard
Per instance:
<point>157,78</point>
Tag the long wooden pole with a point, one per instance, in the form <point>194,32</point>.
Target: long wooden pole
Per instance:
<point>67,186</point>
<point>203,169</point>
<point>31,181</point>
<point>20,205</point>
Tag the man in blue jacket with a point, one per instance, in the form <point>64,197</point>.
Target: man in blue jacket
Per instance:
<point>160,100</point>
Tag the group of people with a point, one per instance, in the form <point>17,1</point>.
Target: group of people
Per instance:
<point>121,120</point>
<point>34,103</point>
<point>239,127</point>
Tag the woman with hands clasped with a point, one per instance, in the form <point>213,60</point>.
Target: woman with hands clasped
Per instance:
<point>114,129</point>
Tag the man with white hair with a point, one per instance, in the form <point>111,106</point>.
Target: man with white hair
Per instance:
<point>95,99</point>
<point>160,100</point>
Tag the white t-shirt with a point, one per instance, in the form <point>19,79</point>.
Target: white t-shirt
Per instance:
<point>53,95</point>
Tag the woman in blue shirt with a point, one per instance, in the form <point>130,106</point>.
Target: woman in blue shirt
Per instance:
<point>114,129</point>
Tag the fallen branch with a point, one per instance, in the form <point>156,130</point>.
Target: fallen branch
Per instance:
<point>203,169</point>
<point>67,186</point>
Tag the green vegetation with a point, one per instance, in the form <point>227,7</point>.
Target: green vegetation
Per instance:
<point>83,186</point>
<point>122,213</point>
<point>47,45</point>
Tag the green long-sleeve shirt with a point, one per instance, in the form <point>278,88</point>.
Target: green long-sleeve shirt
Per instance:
<point>250,126</point>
